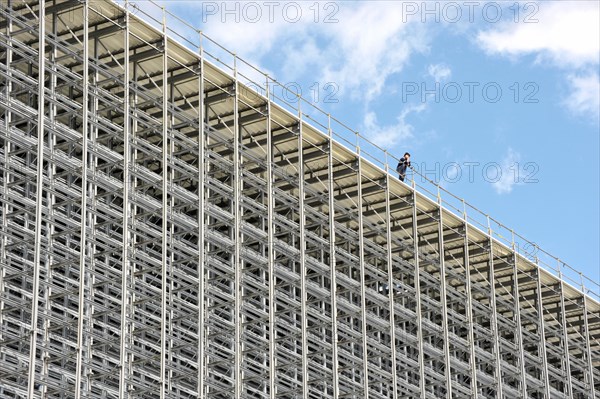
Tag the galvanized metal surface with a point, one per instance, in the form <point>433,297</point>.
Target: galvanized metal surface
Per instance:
<point>160,243</point>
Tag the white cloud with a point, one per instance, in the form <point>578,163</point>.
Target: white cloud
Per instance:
<point>567,33</point>
<point>585,95</point>
<point>247,38</point>
<point>299,58</point>
<point>359,51</point>
<point>389,135</point>
<point>506,177</point>
<point>368,45</point>
<point>439,72</point>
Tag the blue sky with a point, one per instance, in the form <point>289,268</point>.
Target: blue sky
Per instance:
<point>425,77</point>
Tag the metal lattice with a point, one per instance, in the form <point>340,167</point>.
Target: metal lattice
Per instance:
<point>168,232</point>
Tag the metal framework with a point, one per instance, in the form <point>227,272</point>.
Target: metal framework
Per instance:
<point>168,232</point>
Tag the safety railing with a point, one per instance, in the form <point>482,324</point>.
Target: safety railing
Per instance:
<point>261,84</point>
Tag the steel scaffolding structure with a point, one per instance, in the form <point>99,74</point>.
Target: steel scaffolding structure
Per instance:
<point>167,231</point>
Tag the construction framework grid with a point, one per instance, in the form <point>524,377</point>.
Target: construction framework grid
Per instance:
<point>171,228</point>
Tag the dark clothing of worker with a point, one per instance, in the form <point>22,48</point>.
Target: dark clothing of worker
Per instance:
<point>401,168</point>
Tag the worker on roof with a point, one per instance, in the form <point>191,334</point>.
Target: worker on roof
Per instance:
<point>403,165</point>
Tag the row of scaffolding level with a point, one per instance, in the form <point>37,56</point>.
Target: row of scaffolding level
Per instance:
<point>167,231</point>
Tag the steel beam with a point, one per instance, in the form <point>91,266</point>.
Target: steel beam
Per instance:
<point>37,259</point>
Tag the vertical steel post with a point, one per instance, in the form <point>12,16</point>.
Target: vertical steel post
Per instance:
<point>165,204</point>
<point>302,225</point>
<point>93,217</point>
<point>270,244</point>
<point>37,257</point>
<point>444,300</point>
<point>470,321</point>
<point>6,171</point>
<point>390,270</point>
<point>565,336</point>
<point>494,321</point>
<point>201,223</point>
<point>125,296</point>
<point>332,262</point>
<point>51,202</point>
<point>84,195</point>
<point>494,317</point>
<point>361,262</point>
<point>170,235</point>
<point>517,313</point>
<point>590,364</point>
<point>92,134</point>
<point>542,331</point>
<point>418,296</point>
<point>237,182</point>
